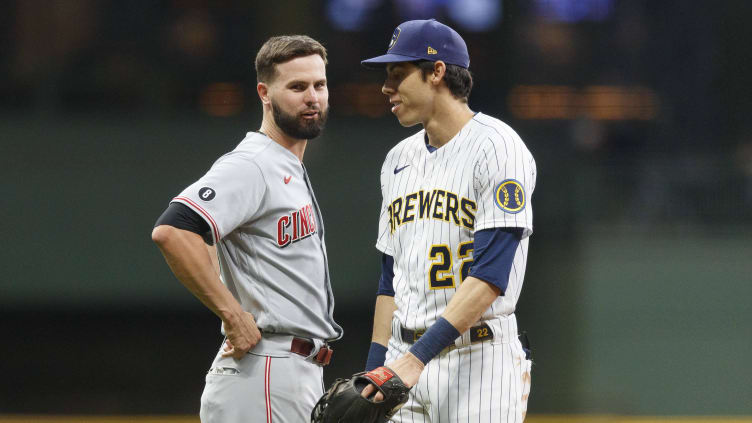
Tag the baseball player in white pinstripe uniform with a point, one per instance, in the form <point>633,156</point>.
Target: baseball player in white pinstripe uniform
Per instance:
<point>270,285</point>
<point>454,228</point>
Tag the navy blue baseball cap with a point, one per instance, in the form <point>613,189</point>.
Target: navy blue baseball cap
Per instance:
<point>423,39</point>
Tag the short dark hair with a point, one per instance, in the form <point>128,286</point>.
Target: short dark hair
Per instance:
<point>458,79</point>
<point>282,48</point>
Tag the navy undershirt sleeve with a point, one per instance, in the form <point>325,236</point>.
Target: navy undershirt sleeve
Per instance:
<point>376,356</point>
<point>493,254</point>
<point>183,217</point>
<point>387,275</point>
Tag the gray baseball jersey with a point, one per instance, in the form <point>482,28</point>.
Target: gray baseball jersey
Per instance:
<point>266,222</point>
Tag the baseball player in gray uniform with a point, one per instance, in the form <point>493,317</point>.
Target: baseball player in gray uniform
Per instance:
<point>454,228</point>
<point>247,239</point>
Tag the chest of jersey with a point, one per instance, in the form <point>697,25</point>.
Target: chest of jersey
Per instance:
<point>289,213</point>
<point>431,214</point>
<point>435,189</point>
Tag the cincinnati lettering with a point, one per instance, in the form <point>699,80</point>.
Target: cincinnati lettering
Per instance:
<point>295,226</point>
<point>438,204</point>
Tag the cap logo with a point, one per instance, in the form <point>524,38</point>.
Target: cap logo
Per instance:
<point>432,51</point>
<point>394,38</point>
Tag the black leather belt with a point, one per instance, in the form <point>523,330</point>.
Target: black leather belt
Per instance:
<point>478,333</point>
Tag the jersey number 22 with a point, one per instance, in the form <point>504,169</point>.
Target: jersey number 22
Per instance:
<point>440,274</point>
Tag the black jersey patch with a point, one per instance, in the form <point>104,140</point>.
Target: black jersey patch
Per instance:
<point>206,193</point>
<point>510,196</point>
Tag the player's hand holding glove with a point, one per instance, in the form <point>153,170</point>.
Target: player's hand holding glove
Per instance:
<point>343,402</point>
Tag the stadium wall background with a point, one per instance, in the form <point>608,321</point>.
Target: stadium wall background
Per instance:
<point>627,315</point>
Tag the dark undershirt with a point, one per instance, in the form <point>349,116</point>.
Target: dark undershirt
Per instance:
<point>183,217</point>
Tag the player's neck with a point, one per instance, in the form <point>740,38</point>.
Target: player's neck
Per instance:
<point>449,117</point>
<point>296,146</point>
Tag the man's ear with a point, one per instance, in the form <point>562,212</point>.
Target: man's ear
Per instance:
<point>439,70</point>
<point>263,92</point>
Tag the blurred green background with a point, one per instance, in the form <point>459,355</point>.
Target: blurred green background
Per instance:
<point>639,281</point>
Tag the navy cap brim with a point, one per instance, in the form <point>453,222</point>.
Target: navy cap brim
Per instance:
<point>379,62</point>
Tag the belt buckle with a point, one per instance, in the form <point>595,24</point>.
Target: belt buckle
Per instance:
<point>417,334</point>
<point>324,356</point>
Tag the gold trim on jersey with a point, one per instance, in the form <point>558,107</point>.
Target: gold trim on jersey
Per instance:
<point>437,204</point>
<point>465,205</point>
<point>465,250</point>
<point>409,207</point>
<point>440,274</point>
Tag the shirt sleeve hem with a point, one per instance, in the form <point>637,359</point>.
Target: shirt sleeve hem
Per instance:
<point>489,279</point>
<point>527,230</point>
<point>203,213</point>
<point>384,249</point>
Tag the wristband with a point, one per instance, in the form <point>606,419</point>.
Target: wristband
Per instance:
<point>376,356</point>
<point>439,336</point>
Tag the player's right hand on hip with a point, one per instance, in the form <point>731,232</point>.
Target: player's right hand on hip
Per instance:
<point>242,336</point>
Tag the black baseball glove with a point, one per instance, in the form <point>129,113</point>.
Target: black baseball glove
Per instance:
<point>342,403</point>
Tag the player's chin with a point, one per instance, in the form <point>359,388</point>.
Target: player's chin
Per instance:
<point>405,119</point>
<point>310,128</point>
<point>407,122</point>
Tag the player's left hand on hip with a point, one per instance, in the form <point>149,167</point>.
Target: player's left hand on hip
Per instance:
<point>407,367</point>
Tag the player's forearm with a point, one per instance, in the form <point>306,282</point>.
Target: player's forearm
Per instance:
<point>190,261</point>
<point>382,319</point>
<point>212,249</point>
<point>469,302</point>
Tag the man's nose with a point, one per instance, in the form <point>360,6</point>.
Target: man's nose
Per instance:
<point>311,96</point>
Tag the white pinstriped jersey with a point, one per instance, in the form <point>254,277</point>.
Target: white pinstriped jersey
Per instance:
<point>433,202</point>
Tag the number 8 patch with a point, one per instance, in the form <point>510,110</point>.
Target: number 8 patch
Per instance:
<point>510,196</point>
